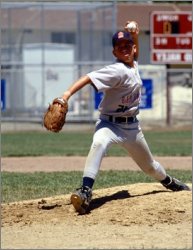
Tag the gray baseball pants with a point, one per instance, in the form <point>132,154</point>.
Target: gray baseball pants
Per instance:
<point>127,135</point>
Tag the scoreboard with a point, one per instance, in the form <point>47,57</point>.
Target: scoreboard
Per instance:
<point>171,37</point>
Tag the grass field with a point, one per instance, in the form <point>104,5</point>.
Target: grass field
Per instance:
<point>21,186</point>
<point>162,143</point>
<point>24,186</point>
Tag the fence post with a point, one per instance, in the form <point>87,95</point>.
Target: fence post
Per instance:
<point>168,97</point>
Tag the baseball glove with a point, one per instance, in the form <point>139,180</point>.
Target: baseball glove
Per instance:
<point>55,116</point>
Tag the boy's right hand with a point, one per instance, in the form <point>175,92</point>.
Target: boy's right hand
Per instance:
<point>134,30</point>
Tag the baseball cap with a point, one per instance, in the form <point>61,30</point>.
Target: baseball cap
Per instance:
<point>121,35</point>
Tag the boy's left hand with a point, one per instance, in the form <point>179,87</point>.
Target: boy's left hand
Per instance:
<point>55,116</point>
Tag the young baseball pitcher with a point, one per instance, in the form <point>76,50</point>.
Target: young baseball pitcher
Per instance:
<point>121,84</point>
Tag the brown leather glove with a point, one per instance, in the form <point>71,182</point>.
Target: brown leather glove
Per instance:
<point>55,116</point>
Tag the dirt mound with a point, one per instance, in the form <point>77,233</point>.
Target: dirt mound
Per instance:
<point>133,216</point>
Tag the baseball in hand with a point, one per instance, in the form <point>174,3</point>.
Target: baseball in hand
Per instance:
<point>131,27</point>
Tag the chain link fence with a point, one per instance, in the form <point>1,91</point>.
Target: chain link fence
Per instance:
<point>46,47</point>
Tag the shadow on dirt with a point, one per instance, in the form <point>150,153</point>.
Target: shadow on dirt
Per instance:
<point>124,194</point>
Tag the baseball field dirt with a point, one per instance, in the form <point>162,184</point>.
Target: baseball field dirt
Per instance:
<point>137,216</point>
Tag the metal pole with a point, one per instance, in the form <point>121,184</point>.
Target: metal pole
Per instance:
<point>91,57</point>
<point>12,71</point>
<point>43,55</point>
<point>168,98</point>
<point>103,36</point>
<point>79,54</point>
<point>114,16</point>
<point>10,35</point>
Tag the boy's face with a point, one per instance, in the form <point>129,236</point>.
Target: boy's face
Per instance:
<point>124,51</point>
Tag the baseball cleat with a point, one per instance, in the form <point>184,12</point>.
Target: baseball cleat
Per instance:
<point>176,185</point>
<point>81,199</point>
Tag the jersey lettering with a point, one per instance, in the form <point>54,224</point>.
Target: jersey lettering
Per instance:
<point>122,108</point>
<point>128,99</point>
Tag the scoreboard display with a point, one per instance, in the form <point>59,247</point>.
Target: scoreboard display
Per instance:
<point>171,37</point>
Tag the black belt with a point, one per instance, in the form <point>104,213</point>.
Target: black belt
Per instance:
<point>122,119</point>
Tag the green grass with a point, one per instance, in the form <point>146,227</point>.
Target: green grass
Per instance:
<point>21,186</point>
<point>176,143</point>
<point>40,143</point>
<point>161,143</point>
<point>26,186</point>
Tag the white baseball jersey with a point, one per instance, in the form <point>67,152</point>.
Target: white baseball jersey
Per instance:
<point>121,86</point>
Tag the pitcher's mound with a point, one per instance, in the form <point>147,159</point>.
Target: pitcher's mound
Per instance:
<point>138,216</point>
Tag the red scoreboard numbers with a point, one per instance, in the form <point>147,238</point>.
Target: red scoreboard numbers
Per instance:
<point>171,37</point>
